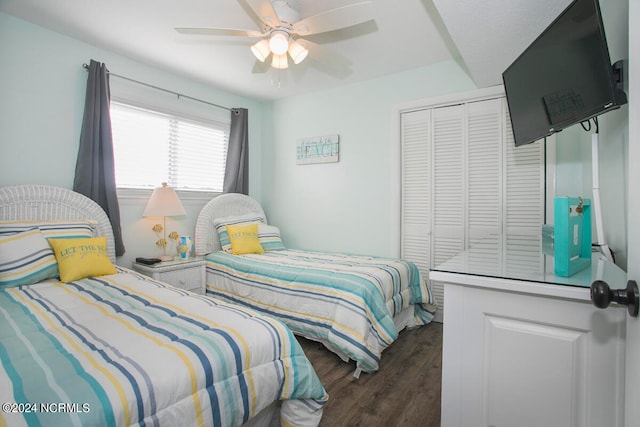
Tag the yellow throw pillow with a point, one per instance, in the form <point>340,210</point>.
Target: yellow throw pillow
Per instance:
<point>80,258</point>
<point>244,239</point>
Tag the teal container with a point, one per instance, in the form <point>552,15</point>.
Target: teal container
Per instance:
<point>571,235</point>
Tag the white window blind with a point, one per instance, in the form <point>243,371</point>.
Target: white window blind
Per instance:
<point>152,147</point>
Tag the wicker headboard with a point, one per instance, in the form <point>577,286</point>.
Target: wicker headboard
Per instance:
<point>44,202</point>
<point>229,204</point>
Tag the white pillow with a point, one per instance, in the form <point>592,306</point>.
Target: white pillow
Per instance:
<point>269,236</point>
<point>221,227</point>
<point>26,258</point>
<point>54,229</point>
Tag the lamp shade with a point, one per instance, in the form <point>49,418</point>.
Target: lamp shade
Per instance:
<point>164,202</point>
<point>261,50</point>
<point>297,52</point>
<point>279,61</point>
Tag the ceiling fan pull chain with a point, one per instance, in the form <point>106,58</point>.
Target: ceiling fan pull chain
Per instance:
<point>273,83</point>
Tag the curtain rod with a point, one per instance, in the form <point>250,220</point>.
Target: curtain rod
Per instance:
<point>179,95</point>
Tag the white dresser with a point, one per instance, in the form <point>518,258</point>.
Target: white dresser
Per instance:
<point>523,347</point>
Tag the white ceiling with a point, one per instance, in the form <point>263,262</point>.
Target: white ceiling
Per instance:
<point>484,36</point>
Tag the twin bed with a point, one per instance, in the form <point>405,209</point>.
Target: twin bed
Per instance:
<point>113,347</point>
<point>355,305</point>
<point>121,349</point>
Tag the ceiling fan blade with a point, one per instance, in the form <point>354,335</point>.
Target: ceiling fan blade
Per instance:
<point>325,56</point>
<point>265,11</point>
<point>219,32</point>
<point>335,19</point>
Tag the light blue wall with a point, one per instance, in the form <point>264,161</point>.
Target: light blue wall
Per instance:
<point>42,92</point>
<point>351,205</point>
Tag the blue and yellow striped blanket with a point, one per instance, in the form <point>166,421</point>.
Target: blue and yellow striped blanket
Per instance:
<point>348,302</point>
<point>124,350</point>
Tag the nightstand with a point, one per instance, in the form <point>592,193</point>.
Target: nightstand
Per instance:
<point>188,274</point>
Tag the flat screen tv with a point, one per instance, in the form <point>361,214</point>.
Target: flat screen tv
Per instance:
<point>564,77</point>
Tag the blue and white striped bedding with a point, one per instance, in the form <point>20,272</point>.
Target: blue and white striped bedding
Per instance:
<point>124,350</point>
<point>348,302</point>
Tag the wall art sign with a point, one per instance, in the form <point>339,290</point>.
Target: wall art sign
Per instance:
<point>318,149</point>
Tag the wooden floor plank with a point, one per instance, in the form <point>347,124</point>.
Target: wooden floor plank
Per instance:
<point>405,391</point>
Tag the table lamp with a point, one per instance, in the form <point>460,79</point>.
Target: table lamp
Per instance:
<point>164,202</point>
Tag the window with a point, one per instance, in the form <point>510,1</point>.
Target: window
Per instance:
<point>151,147</point>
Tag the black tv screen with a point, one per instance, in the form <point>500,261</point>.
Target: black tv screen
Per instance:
<point>564,77</point>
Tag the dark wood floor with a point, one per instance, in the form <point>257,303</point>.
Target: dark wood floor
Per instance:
<point>404,392</point>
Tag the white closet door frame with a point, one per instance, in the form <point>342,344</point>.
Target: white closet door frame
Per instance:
<point>396,154</point>
<point>477,216</point>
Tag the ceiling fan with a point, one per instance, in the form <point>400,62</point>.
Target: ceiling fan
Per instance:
<point>282,29</point>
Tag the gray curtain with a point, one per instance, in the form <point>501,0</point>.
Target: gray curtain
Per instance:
<point>236,176</point>
<point>95,175</point>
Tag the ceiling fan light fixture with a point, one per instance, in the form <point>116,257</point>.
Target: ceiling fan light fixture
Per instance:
<point>279,42</point>
<point>281,28</point>
<point>280,61</point>
<point>297,52</point>
<point>261,50</point>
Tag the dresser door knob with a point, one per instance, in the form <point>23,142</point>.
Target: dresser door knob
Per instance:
<point>602,296</point>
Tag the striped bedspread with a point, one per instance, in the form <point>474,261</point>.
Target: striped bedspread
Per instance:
<point>124,350</point>
<point>348,302</point>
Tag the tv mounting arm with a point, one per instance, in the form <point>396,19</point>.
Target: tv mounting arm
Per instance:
<point>618,69</point>
<point>597,207</point>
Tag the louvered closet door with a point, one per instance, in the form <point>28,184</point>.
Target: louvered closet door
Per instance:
<point>524,187</point>
<point>484,194</point>
<point>484,169</point>
<point>416,189</point>
<point>448,176</point>
<point>462,180</point>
